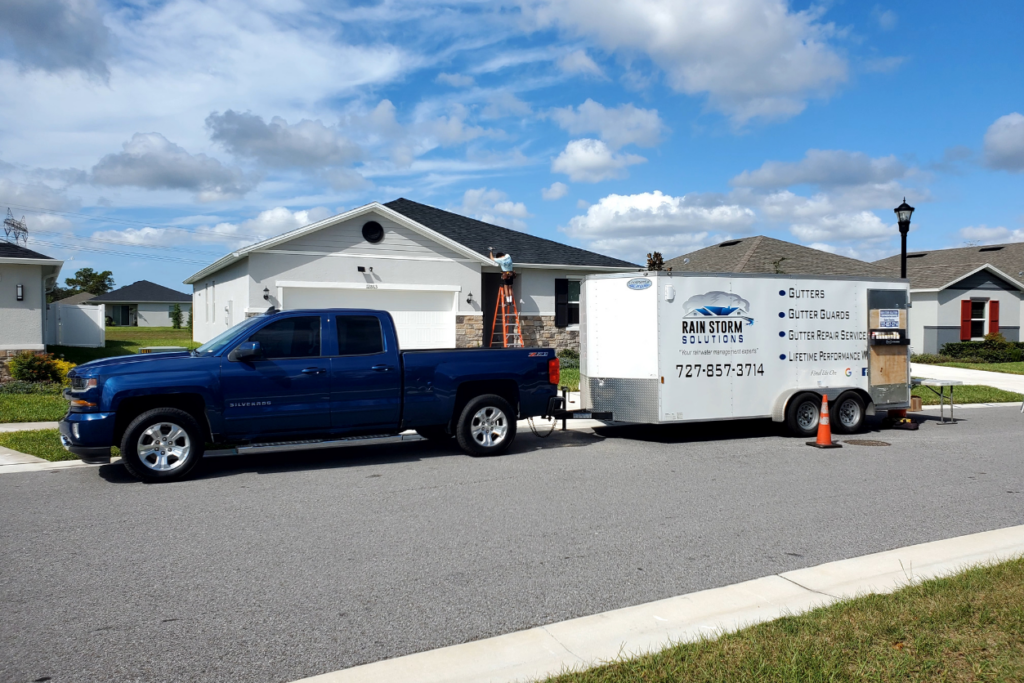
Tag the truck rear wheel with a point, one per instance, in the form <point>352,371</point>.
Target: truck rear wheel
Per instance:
<point>162,444</point>
<point>847,416</point>
<point>802,414</point>
<point>487,426</point>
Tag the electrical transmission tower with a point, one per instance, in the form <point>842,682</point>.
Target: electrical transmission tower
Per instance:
<point>14,230</point>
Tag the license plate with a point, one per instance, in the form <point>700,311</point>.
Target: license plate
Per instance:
<point>581,416</point>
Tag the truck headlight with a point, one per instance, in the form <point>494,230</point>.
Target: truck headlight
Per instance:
<point>79,384</point>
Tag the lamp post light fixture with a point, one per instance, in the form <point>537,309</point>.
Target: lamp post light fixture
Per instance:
<point>266,294</point>
<point>903,212</point>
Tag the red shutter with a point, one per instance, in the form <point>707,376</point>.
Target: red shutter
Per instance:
<point>965,320</point>
<point>993,317</point>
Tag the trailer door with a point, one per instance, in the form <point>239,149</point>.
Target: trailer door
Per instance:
<point>889,346</point>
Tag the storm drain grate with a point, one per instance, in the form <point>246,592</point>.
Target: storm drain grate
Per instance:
<point>866,442</point>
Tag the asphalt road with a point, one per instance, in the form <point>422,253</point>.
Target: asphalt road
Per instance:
<point>292,565</point>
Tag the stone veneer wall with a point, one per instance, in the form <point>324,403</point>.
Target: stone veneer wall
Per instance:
<point>538,331</point>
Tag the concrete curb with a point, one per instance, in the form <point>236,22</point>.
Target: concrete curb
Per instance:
<point>588,641</point>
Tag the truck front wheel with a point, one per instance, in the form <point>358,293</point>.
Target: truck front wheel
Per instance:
<point>487,426</point>
<point>802,414</point>
<point>162,444</point>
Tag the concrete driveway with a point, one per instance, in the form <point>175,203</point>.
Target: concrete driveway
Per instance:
<point>282,567</point>
<point>999,380</point>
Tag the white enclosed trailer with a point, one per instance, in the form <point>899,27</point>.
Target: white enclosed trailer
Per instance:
<point>665,347</point>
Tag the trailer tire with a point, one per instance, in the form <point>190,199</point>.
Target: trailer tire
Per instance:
<point>803,413</point>
<point>434,433</point>
<point>487,426</point>
<point>184,437</point>
<point>847,417</point>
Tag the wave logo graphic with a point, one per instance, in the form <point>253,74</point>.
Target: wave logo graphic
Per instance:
<point>717,305</point>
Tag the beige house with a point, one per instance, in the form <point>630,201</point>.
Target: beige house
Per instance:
<point>25,277</point>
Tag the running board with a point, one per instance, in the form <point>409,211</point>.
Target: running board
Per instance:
<point>311,444</point>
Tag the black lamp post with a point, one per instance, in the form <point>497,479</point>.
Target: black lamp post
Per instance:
<point>903,212</point>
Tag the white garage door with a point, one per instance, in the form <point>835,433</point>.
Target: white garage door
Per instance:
<point>424,320</point>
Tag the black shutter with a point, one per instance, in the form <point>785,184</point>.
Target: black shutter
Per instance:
<point>561,303</point>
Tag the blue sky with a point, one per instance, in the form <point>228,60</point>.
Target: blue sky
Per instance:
<point>151,137</point>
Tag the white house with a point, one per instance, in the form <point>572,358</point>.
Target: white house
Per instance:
<point>143,304</point>
<point>963,294</point>
<point>429,268</point>
<point>25,277</point>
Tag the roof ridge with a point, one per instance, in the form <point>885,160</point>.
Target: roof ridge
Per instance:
<point>750,252</point>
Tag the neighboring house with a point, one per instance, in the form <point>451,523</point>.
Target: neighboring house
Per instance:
<point>767,255</point>
<point>962,294</point>
<point>143,304</point>
<point>429,268</point>
<point>25,276</point>
<point>76,299</point>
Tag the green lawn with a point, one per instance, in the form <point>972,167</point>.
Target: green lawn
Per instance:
<point>968,627</point>
<point>32,407</point>
<point>969,394</point>
<point>570,379</point>
<point>122,341</point>
<point>42,443</point>
<point>1012,368</point>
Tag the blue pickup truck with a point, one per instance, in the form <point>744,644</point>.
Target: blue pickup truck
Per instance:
<point>298,380</point>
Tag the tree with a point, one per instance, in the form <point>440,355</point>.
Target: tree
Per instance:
<point>176,316</point>
<point>655,261</point>
<point>88,280</point>
<point>190,320</point>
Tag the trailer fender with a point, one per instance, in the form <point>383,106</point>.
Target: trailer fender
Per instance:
<point>779,408</point>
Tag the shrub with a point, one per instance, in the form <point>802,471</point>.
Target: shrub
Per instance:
<point>190,320</point>
<point>930,358</point>
<point>568,358</point>
<point>63,367</point>
<point>995,349</point>
<point>19,387</point>
<point>33,367</point>
<point>176,316</point>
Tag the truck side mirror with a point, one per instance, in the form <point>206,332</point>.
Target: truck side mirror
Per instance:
<point>246,351</point>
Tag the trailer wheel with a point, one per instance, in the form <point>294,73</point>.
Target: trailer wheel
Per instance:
<point>487,426</point>
<point>802,414</point>
<point>435,433</point>
<point>162,444</point>
<point>848,414</point>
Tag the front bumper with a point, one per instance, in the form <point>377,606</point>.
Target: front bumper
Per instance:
<point>88,435</point>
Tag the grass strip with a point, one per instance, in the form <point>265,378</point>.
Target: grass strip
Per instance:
<point>32,407</point>
<point>967,627</point>
<point>570,378</point>
<point>42,443</point>
<point>969,394</point>
<point>1009,368</point>
<point>123,341</point>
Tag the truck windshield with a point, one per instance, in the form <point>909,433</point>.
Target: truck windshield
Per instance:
<point>216,344</point>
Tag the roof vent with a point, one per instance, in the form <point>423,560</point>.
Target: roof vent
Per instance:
<point>990,249</point>
<point>729,244</point>
<point>916,255</point>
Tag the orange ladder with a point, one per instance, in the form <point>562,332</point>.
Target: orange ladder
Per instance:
<point>509,335</point>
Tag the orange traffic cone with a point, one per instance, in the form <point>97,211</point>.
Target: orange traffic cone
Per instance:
<point>824,430</point>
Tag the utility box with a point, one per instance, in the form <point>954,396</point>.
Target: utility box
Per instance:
<point>665,347</point>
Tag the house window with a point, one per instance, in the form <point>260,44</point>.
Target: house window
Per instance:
<point>978,319</point>
<point>574,302</point>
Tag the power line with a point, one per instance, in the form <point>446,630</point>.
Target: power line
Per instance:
<point>120,242</point>
<point>151,257</point>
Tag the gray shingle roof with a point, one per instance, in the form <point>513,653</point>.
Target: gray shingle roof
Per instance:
<point>768,255</point>
<point>939,267</point>
<point>480,236</point>
<point>143,291</point>
<point>12,250</point>
<point>74,299</point>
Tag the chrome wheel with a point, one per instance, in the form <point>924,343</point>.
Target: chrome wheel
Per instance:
<point>163,447</point>
<point>807,416</point>
<point>489,427</point>
<point>849,414</point>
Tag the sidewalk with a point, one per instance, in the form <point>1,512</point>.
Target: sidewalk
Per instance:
<point>999,380</point>
<point>588,641</point>
<point>26,426</point>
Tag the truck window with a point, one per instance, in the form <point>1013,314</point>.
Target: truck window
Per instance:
<point>359,335</point>
<point>290,338</point>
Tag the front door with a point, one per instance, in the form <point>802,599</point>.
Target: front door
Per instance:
<point>366,380</point>
<point>490,284</point>
<point>288,391</point>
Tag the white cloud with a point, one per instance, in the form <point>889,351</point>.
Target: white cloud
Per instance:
<point>825,168</point>
<point>579,62</point>
<point>983,234</point>
<point>886,18</point>
<point>151,161</point>
<point>493,206</point>
<point>503,103</point>
<point>556,191</point>
<point>860,226</point>
<point>620,126</point>
<point>1004,143</point>
<point>883,65</point>
<point>56,35</point>
<point>753,58</point>
<point>590,161</point>
<point>277,144</point>
<point>582,204</point>
<point>455,80</point>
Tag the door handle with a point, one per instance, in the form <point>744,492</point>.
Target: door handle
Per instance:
<point>313,371</point>
<point>381,368</point>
